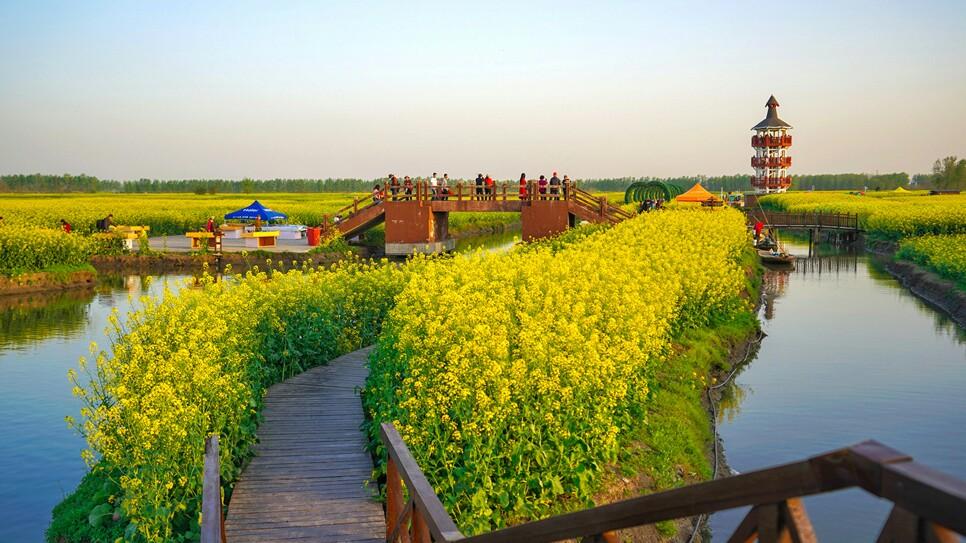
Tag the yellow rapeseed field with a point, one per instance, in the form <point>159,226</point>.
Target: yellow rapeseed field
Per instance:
<point>944,254</point>
<point>512,377</point>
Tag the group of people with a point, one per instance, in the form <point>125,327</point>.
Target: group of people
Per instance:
<point>650,204</point>
<point>484,187</point>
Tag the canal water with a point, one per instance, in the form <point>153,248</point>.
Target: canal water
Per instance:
<point>41,337</point>
<point>849,355</point>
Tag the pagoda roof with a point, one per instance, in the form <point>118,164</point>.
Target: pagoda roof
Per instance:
<point>771,120</point>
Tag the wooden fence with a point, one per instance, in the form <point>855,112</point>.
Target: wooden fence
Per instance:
<point>927,505</point>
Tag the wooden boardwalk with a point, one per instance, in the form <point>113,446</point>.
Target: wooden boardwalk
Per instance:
<point>307,479</point>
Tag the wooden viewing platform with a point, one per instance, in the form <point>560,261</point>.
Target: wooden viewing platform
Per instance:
<point>307,481</point>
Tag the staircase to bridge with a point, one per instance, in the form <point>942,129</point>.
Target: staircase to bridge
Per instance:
<point>419,221</point>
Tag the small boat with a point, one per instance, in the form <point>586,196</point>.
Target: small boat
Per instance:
<point>776,259</point>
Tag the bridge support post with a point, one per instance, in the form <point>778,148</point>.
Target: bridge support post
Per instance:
<point>544,218</point>
<point>414,227</point>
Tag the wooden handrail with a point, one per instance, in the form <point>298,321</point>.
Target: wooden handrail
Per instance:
<point>438,521</point>
<point>933,500</point>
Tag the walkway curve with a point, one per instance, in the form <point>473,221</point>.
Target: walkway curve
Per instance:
<point>307,481</point>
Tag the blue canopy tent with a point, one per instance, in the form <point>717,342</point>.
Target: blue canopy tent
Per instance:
<point>256,210</point>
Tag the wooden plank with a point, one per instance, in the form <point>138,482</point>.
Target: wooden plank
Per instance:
<point>308,479</point>
<point>211,520</point>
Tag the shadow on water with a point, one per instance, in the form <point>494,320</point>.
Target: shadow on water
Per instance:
<point>849,355</point>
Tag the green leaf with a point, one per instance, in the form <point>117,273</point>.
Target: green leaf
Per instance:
<point>98,514</point>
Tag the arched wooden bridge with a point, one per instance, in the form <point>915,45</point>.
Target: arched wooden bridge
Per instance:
<point>420,221</point>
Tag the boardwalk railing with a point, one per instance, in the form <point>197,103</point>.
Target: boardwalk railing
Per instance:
<point>812,220</point>
<point>927,505</point>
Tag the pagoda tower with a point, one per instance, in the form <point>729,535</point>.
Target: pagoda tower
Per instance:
<point>771,161</point>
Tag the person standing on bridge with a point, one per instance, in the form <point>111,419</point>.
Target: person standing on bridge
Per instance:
<point>479,186</point>
<point>434,186</point>
<point>490,187</point>
<point>542,187</point>
<point>444,187</point>
<point>408,187</point>
<point>393,186</point>
<point>376,194</point>
<point>554,187</point>
<point>566,185</point>
<point>523,186</point>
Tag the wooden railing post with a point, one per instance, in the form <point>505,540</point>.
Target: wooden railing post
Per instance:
<point>212,521</point>
<point>393,495</point>
<point>420,533</point>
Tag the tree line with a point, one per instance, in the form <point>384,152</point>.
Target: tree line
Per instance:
<point>948,173</point>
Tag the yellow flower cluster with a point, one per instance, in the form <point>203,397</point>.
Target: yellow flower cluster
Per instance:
<point>187,366</point>
<point>887,215</point>
<point>24,249</point>
<point>943,254</point>
<point>175,214</point>
<point>513,376</point>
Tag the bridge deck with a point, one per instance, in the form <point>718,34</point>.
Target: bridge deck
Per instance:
<point>307,480</point>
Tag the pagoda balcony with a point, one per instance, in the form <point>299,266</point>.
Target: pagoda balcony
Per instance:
<point>774,182</point>
<point>771,162</point>
<point>771,141</point>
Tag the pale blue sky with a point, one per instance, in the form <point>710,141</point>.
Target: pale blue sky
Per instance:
<point>358,89</point>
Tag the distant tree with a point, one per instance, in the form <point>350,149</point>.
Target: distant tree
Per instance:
<point>247,186</point>
<point>949,173</point>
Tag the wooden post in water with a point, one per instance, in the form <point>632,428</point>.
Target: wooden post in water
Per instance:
<point>212,521</point>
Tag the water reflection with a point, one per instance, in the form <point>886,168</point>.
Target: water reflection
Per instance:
<point>41,337</point>
<point>849,355</point>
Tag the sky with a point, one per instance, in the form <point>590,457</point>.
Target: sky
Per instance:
<point>127,90</point>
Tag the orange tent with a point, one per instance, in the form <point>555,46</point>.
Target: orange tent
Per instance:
<point>697,193</point>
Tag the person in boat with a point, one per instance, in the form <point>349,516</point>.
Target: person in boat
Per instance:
<point>554,187</point>
<point>66,226</point>
<point>523,186</point>
<point>758,226</point>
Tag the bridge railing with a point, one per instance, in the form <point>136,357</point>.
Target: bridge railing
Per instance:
<point>785,219</point>
<point>927,505</point>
